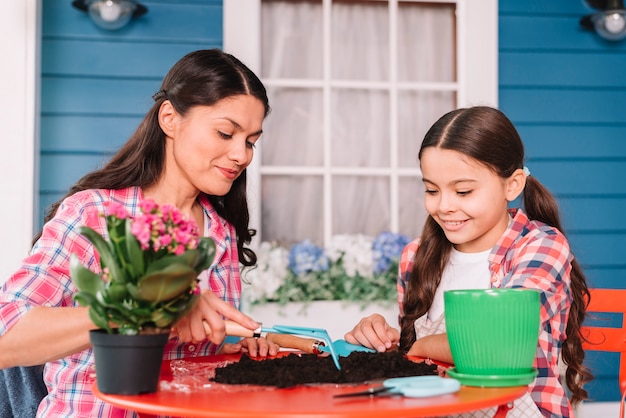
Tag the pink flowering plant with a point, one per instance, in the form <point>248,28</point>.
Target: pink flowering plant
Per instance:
<point>149,269</point>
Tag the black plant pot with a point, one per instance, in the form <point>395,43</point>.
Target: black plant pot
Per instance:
<point>127,364</point>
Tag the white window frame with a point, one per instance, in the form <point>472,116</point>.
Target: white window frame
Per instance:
<point>477,60</point>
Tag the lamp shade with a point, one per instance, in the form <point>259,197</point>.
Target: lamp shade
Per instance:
<point>609,22</point>
<point>110,14</point>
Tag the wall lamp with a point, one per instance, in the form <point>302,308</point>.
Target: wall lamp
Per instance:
<point>609,22</point>
<point>110,14</point>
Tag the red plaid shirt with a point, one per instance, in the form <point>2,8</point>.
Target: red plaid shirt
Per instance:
<point>43,279</point>
<point>532,255</point>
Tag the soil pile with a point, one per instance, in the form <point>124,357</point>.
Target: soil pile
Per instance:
<point>297,369</point>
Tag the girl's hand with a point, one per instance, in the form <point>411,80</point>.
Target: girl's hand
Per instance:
<point>434,347</point>
<point>252,346</point>
<point>210,310</point>
<point>374,332</point>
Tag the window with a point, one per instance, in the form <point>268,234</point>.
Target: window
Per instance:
<point>354,85</point>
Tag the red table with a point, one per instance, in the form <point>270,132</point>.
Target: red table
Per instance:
<point>177,398</point>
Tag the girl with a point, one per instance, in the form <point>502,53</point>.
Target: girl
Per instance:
<point>472,162</point>
<point>191,150</point>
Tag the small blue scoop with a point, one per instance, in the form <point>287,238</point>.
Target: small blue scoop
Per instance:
<point>336,349</point>
<point>321,339</point>
<point>344,348</point>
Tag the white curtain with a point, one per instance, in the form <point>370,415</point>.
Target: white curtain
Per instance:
<point>360,115</point>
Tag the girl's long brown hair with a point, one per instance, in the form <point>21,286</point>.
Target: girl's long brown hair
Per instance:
<point>488,136</point>
<point>200,78</point>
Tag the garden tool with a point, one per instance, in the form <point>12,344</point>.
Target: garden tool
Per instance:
<point>341,347</point>
<point>323,342</point>
<point>412,386</point>
<point>316,346</point>
<point>309,340</point>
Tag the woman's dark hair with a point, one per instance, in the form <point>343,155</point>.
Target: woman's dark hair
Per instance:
<point>488,136</point>
<point>200,78</point>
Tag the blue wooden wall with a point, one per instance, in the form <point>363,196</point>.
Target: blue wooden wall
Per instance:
<point>564,88</point>
<point>97,85</point>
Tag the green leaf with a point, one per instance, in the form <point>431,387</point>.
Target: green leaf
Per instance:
<point>116,292</point>
<point>163,319</point>
<point>84,298</point>
<point>173,311</point>
<point>135,254</point>
<point>99,318</point>
<point>128,330</point>
<point>184,306</point>
<point>107,257</point>
<point>168,260</point>
<point>85,280</point>
<point>165,284</point>
<point>117,228</point>
<point>206,247</point>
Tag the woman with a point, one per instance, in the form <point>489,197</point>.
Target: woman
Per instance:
<point>191,150</point>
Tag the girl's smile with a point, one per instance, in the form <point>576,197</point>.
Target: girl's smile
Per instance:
<point>452,225</point>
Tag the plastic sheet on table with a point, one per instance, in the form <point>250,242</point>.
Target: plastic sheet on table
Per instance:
<point>188,376</point>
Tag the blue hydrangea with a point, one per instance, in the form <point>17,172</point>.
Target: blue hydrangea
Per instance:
<point>387,247</point>
<point>306,257</point>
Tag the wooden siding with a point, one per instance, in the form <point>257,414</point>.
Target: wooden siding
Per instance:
<point>96,85</point>
<point>564,89</point>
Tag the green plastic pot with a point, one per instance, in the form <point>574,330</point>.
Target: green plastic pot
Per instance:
<point>493,332</point>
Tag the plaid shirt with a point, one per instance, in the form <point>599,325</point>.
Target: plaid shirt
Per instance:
<point>532,255</point>
<point>43,279</point>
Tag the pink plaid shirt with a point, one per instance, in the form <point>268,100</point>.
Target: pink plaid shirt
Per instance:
<point>532,255</point>
<point>43,279</point>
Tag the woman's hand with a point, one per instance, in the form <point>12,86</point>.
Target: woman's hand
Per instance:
<point>374,332</point>
<point>253,346</point>
<point>212,310</point>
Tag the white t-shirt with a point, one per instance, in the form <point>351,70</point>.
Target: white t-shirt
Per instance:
<point>464,271</point>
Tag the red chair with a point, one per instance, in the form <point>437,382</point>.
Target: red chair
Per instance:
<point>609,339</point>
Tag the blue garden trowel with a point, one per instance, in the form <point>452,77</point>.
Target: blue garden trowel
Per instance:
<point>309,340</point>
<point>320,342</point>
<point>341,347</point>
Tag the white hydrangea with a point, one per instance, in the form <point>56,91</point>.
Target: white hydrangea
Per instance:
<point>357,253</point>
<point>272,267</point>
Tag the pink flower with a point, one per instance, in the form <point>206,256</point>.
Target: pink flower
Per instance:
<point>182,237</point>
<point>116,209</point>
<point>165,240</point>
<point>177,217</point>
<point>159,228</point>
<point>147,205</point>
<point>142,232</point>
<point>179,249</point>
